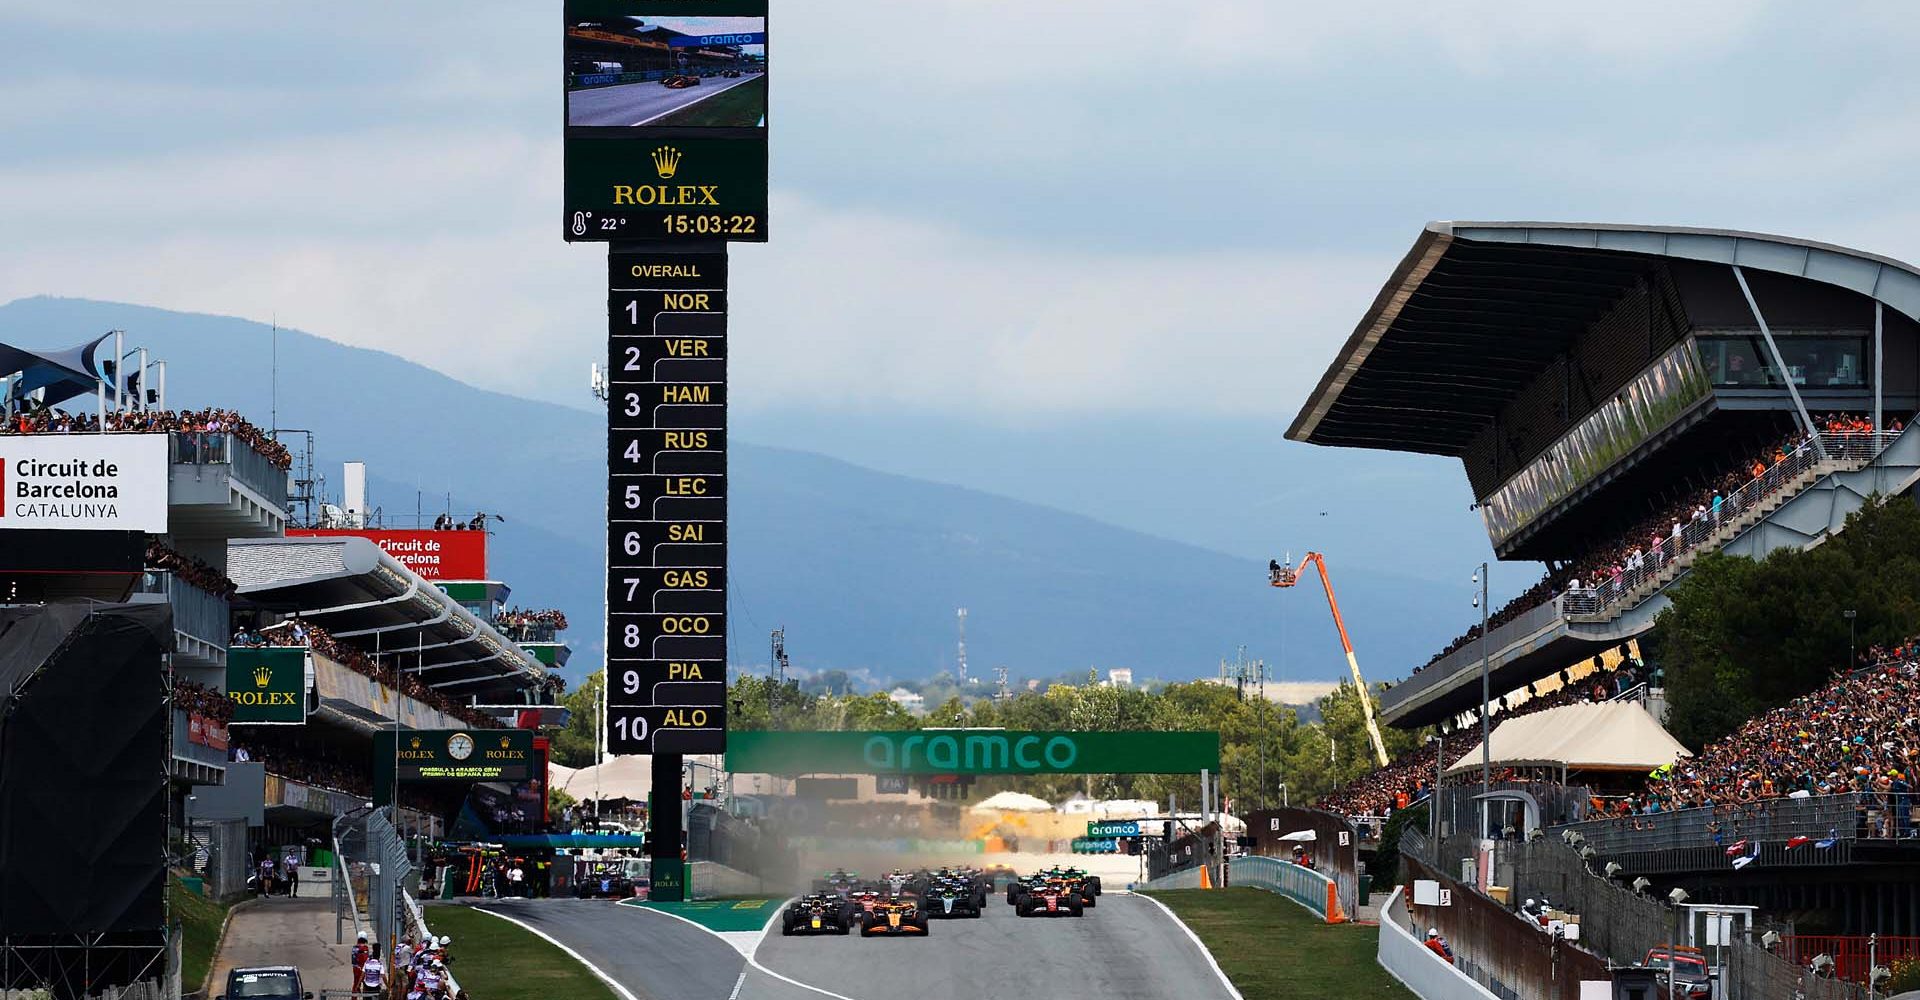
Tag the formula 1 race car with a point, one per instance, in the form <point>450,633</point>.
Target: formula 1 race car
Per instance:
<point>898,881</point>
<point>1050,900</point>
<point>819,914</point>
<point>838,881</point>
<point>899,916</point>
<point>864,899</point>
<point>953,898</point>
<point>680,82</point>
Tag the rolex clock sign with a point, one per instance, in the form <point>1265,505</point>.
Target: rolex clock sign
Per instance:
<point>666,120</point>
<point>461,754</point>
<point>268,685</point>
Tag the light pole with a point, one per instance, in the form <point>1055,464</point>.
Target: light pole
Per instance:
<point>1850,615</point>
<point>1486,692</point>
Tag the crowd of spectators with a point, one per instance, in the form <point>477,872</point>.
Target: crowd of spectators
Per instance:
<point>1686,519</point>
<point>193,570</point>
<point>307,762</point>
<point>1409,778</point>
<point>299,632</point>
<point>205,427</point>
<point>519,624</point>
<point>201,700</point>
<point>1858,735</point>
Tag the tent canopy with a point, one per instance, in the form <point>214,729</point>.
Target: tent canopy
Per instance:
<point>1013,802</point>
<point>1612,736</point>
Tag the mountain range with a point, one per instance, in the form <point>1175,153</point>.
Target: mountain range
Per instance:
<point>863,568</point>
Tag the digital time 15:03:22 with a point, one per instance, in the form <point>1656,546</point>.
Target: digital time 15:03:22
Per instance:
<point>719,225</point>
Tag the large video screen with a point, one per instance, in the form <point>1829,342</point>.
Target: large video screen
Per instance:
<point>666,120</point>
<point>668,72</point>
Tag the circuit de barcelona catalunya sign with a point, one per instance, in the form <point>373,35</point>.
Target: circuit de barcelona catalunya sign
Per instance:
<point>973,751</point>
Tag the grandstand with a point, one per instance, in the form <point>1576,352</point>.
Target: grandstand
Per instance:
<point>1623,399</point>
<point>377,642</point>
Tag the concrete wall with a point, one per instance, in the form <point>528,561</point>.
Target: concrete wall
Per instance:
<point>1428,975</point>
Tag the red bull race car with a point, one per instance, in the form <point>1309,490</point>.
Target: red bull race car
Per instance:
<point>819,914</point>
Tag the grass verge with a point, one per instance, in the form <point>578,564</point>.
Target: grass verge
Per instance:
<point>501,961</point>
<point>200,922</point>
<point>741,105</point>
<point>1273,949</point>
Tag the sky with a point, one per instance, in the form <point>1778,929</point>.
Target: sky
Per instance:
<point>1088,213</point>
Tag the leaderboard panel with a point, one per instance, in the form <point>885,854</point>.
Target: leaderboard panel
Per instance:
<point>667,503</point>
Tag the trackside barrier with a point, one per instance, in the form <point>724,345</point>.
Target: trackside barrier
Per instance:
<point>1305,886</point>
<point>1186,878</point>
<point>417,923</point>
<point>1402,954</point>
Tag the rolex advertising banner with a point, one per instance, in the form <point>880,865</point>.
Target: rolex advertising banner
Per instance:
<point>976,751</point>
<point>268,684</point>
<point>85,482</point>
<point>457,754</point>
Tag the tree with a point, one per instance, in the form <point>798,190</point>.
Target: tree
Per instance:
<point>574,745</point>
<point>1743,636</point>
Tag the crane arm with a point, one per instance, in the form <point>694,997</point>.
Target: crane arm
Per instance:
<point>1281,576</point>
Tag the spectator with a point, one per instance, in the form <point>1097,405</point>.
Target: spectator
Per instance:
<point>202,433</point>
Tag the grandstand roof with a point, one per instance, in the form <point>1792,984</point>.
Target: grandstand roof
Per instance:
<point>363,596</point>
<point>1477,310</point>
<point>64,374</point>
<point>1610,736</point>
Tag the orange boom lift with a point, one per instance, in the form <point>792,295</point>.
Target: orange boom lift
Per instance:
<point>1281,576</point>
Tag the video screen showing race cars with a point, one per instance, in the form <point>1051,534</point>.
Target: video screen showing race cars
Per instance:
<point>666,71</point>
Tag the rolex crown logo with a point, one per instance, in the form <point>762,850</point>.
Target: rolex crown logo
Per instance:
<point>262,675</point>
<point>415,743</point>
<point>666,160</point>
<point>505,742</point>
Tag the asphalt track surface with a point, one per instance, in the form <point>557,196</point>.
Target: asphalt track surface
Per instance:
<point>1124,948</point>
<point>655,957</point>
<point>640,103</point>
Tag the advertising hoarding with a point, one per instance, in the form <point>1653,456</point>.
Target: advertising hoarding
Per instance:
<point>983,751</point>
<point>268,684</point>
<point>433,555</point>
<point>458,754</point>
<point>84,482</point>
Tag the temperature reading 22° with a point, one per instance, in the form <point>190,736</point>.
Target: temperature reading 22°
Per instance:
<point>583,221</point>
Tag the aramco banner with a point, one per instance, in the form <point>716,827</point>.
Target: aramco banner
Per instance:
<point>267,684</point>
<point>973,751</point>
<point>90,482</point>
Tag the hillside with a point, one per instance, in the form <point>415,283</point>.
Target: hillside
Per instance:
<point>863,568</point>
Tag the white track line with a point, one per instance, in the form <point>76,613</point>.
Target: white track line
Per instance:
<point>1195,938</point>
<point>755,963</point>
<point>683,107</point>
<point>625,993</point>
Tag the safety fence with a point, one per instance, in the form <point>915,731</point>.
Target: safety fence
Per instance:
<point>1623,925</point>
<point>1820,817</point>
<point>1852,955</point>
<point>1419,968</point>
<point>1732,509</point>
<point>1303,885</point>
<point>217,855</point>
<point>731,855</point>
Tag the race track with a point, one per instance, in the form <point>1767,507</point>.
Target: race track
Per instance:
<point>640,103</point>
<point>1125,948</point>
<point>655,957</point>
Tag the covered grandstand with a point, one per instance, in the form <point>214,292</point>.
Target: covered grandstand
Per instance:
<point>1623,399</point>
